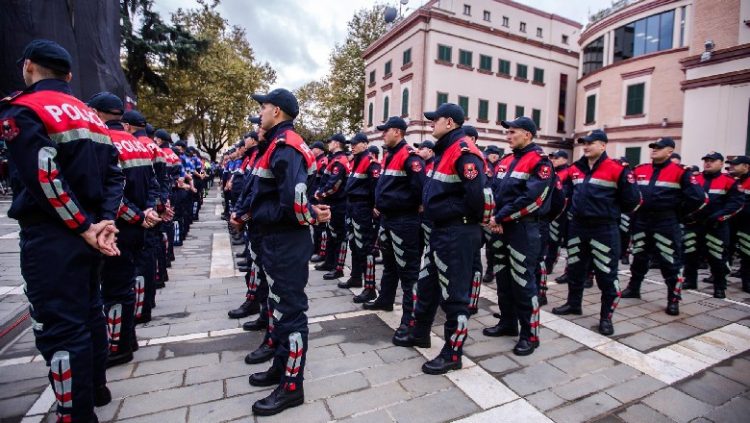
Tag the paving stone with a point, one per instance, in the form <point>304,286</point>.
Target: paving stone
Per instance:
<point>393,354</point>
<point>335,385</point>
<point>674,331</point>
<point>711,388</point>
<point>23,387</point>
<point>392,372</point>
<point>584,409</point>
<point>240,385</point>
<point>737,369</point>
<point>636,388</point>
<point>347,364</point>
<point>171,398</point>
<point>178,363</point>
<point>222,371</point>
<point>178,415</point>
<point>440,407</point>
<point>644,341</point>
<point>424,384</point>
<point>544,400</point>
<point>676,405</point>
<point>225,409</point>
<point>108,412</point>
<point>139,385</point>
<point>367,399</point>
<point>582,362</point>
<point>535,378</point>
<point>729,313</point>
<point>491,346</point>
<point>24,371</point>
<point>640,413</point>
<point>582,386</point>
<point>498,364</point>
<point>16,406</point>
<point>547,350</point>
<point>351,348</point>
<point>704,321</point>
<point>379,416</point>
<point>735,410</point>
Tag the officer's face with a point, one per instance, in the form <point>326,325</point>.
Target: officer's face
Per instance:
<point>558,161</point>
<point>392,136</point>
<point>593,149</point>
<point>359,147</point>
<point>269,114</point>
<point>712,166</point>
<point>442,126</point>
<point>316,151</point>
<point>739,169</point>
<point>660,155</point>
<point>425,153</point>
<point>493,157</point>
<point>518,137</point>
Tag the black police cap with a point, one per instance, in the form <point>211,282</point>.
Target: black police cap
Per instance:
<point>493,149</point>
<point>471,131</point>
<point>150,130</point>
<point>180,143</point>
<point>162,135</point>
<point>425,144</point>
<point>739,160</point>
<point>595,135</point>
<point>559,154</point>
<point>48,54</point>
<point>318,144</point>
<point>133,117</point>
<point>106,102</point>
<point>255,120</point>
<point>662,143</point>
<point>713,156</point>
<point>358,138</point>
<point>281,98</point>
<point>337,137</point>
<point>393,122</point>
<point>675,156</point>
<point>374,150</point>
<point>522,122</point>
<point>448,110</point>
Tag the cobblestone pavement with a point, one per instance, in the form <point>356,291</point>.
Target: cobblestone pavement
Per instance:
<point>694,367</point>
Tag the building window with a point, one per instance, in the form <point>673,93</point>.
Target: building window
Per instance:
<point>633,155</point>
<point>536,116</point>
<point>442,98</point>
<point>485,62</point>
<point>407,56</point>
<point>506,21</point>
<point>590,110</point>
<point>521,71</point>
<point>502,112</point>
<point>369,114</point>
<point>523,27</point>
<point>484,110</point>
<point>593,55</point>
<point>464,103</point>
<point>386,108</point>
<point>445,53</point>
<point>539,32</point>
<point>683,17</point>
<point>467,10</point>
<point>635,99</point>
<point>644,36</point>
<point>565,39</point>
<point>387,70</point>
<point>519,111</point>
<point>562,103</point>
<point>405,102</point>
<point>487,15</point>
<point>503,67</point>
<point>372,77</point>
<point>539,75</point>
<point>464,57</point>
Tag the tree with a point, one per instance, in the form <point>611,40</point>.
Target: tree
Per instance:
<point>344,92</point>
<point>211,99</point>
<point>154,44</point>
<point>311,122</point>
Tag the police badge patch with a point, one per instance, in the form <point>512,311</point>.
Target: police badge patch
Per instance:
<point>416,166</point>
<point>8,129</point>
<point>631,178</point>
<point>470,171</point>
<point>544,172</point>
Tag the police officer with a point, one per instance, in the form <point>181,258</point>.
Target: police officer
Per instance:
<point>278,204</point>
<point>67,188</point>
<point>739,167</point>
<point>492,154</point>
<point>521,189</point>
<point>360,201</point>
<point>425,150</point>
<point>558,228</point>
<point>456,202</point>
<point>476,281</point>
<point>707,234</point>
<point>332,192</point>
<point>162,137</point>
<point>320,232</point>
<point>601,190</point>
<point>669,192</point>
<point>397,202</point>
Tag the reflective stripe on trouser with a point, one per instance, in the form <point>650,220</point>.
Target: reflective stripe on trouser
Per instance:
<point>597,248</point>
<point>541,269</point>
<point>363,238</point>
<point>446,282</point>
<point>710,243</point>
<point>401,258</point>
<point>558,231</point>
<point>257,285</point>
<point>119,286</point>
<point>336,242</point>
<point>517,258</point>
<point>285,257</point>
<point>319,233</point>
<point>661,239</point>
<point>62,275</point>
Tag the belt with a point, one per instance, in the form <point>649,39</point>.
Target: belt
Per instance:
<point>398,213</point>
<point>463,220</point>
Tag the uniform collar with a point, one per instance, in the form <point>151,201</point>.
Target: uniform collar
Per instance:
<point>279,128</point>
<point>713,175</point>
<point>115,124</point>
<point>396,147</point>
<point>583,162</point>
<point>518,152</point>
<point>661,165</point>
<point>448,139</point>
<point>49,85</point>
<point>140,133</point>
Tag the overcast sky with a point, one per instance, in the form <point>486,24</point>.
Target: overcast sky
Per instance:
<point>296,36</point>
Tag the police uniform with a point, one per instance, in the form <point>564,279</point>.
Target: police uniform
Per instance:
<point>332,192</point>
<point>558,226</point>
<point>489,253</point>
<point>456,201</point>
<point>521,189</point>
<point>741,224</point>
<point>669,192</point>
<point>65,177</point>
<point>320,232</point>
<point>707,234</point>
<point>599,195</point>
<point>397,199</point>
<point>360,200</point>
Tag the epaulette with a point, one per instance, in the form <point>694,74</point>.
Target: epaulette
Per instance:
<point>281,140</point>
<point>11,97</point>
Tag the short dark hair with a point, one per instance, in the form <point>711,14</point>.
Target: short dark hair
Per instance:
<point>51,73</point>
